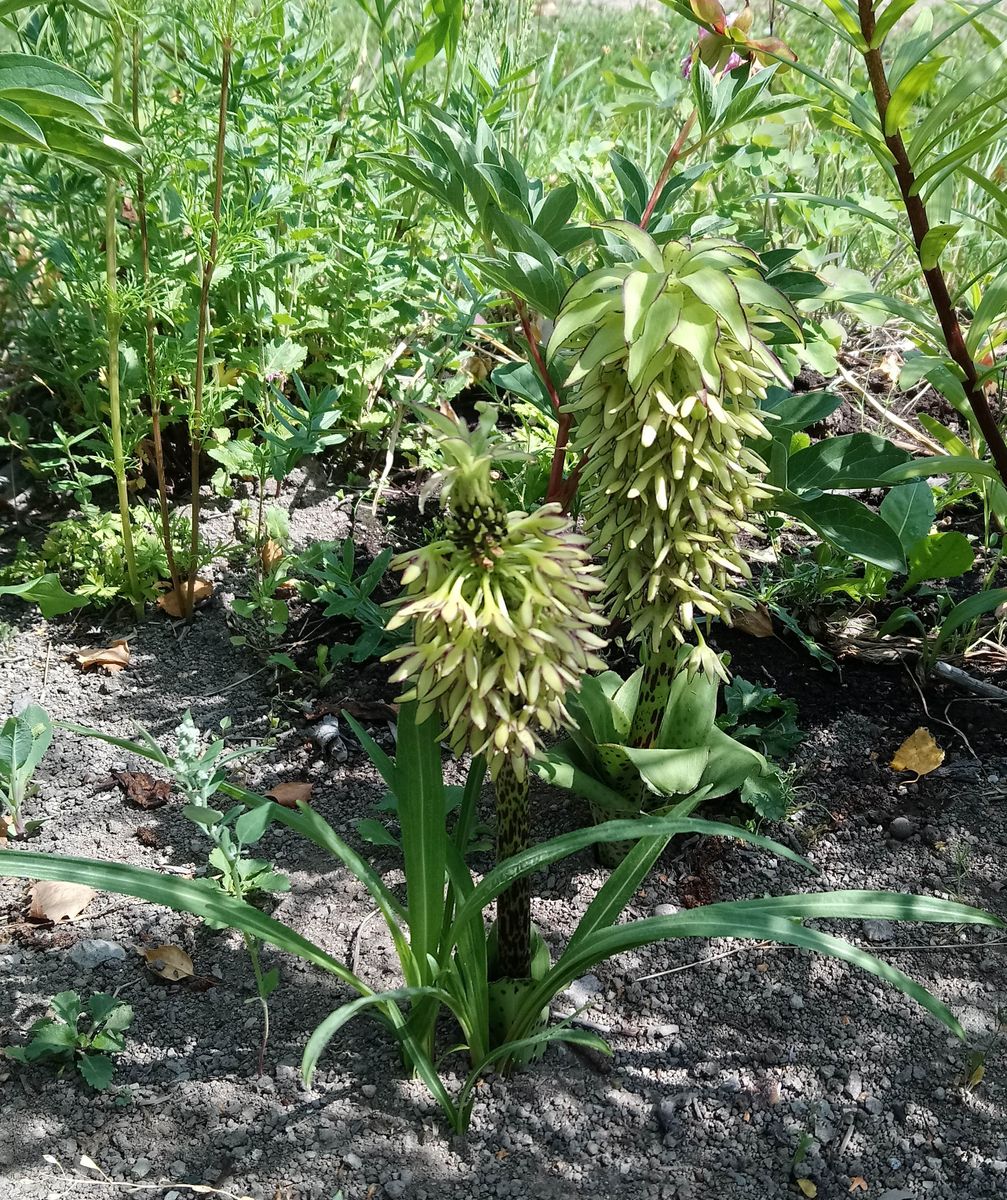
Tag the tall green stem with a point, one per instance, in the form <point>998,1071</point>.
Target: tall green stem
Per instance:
<point>209,262</point>
<point>514,904</point>
<point>113,321</point>
<point>153,389</point>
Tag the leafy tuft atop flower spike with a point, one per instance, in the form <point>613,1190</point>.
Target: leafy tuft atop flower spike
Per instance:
<point>670,364</point>
<point>503,611</point>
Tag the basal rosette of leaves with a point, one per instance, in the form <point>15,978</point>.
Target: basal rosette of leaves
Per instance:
<point>670,363</point>
<point>503,611</point>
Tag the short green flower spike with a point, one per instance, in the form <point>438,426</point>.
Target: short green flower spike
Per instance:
<point>503,612</point>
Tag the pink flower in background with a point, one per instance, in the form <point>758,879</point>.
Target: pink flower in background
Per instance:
<point>735,59</point>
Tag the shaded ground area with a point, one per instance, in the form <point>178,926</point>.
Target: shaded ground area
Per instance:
<point>735,1069</point>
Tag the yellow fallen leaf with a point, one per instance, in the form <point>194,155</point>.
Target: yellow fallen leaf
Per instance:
<point>270,554</point>
<point>173,602</point>
<point>977,1076</point>
<point>54,901</point>
<point>109,658</point>
<point>919,753</point>
<point>170,962</point>
<point>807,1188</point>
<point>289,795</point>
<point>858,1183</point>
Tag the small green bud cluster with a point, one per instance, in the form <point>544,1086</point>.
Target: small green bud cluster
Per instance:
<point>671,366</point>
<point>503,615</point>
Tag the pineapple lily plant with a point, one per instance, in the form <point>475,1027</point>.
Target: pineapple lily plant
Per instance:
<point>670,359</point>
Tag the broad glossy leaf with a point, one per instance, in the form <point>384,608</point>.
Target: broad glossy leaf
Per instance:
<point>944,555</point>
<point>48,593</point>
<point>850,462</point>
<point>849,524</point>
<point>910,511</point>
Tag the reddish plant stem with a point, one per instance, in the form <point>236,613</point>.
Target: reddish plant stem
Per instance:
<point>920,226</point>
<point>559,490</point>
<point>674,154</point>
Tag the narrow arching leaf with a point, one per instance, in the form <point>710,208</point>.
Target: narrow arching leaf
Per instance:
<point>199,897</point>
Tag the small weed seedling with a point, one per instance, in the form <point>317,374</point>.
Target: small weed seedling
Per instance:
<point>84,1036</point>
<point>24,740</point>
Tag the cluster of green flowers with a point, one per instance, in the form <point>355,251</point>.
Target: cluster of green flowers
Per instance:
<point>670,368</point>
<point>503,611</point>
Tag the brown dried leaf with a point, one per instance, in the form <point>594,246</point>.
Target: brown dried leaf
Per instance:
<point>173,603</point>
<point>169,962</point>
<point>858,1183</point>
<point>919,753</point>
<point>55,901</point>
<point>756,622</point>
<point>148,836</point>
<point>289,795</point>
<point>142,789</point>
<point>270,554</point>
<point>109,658</point>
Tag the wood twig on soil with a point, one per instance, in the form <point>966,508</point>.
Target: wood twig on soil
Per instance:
<point>885,414</point>
<point>965,682</point>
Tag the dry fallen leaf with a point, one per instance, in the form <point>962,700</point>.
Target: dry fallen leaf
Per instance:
<point>109,658</point>
<point>756,622</point>
<point>55,901</point>
<point>919,753</point>
<point>172,602</point>
<point>977,1076</point>
<point>142,789</point>
<point>807,1188</point>
<point>858,1183</point>
<point>170,962</point>
<point>270,554</point>
<point>289,795</point>
<point>891,366</point>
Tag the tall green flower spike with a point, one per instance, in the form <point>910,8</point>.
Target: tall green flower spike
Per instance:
<point>503,611</point>
<point>671,364</point>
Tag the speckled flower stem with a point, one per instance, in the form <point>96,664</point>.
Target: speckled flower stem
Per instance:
<point>514,904</point>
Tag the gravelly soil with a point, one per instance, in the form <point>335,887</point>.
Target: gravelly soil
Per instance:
<point>730,1078</point>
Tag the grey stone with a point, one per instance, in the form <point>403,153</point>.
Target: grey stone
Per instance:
<point>92,952</point>
<point>900,829</point>
<point>878,931</point>
<point>369,1090</point>
<point>666,910</point>
<point>583,991</point>
<point>394,1188</point>
<point>353,1161</point>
